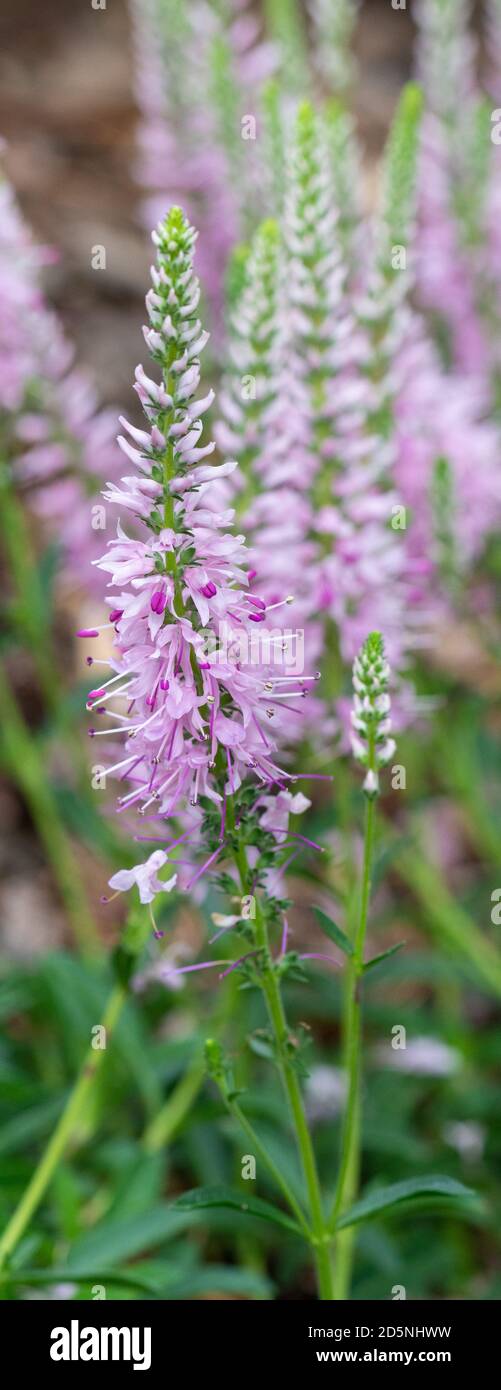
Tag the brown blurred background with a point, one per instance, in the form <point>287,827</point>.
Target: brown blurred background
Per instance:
<point>67,114</point>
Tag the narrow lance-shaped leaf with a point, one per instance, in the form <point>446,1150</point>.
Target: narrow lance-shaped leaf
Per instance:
<point>414,1193</point>
<point>383,955</point>
<point>201,1198</point>
<point>335,933</point>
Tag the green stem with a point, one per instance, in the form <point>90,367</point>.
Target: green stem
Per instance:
<point>350,1142</point>
<point>280,1030</point>
<point>345,1240</point>
<point>25,765</point>
<point>238,1114</point>
<point>68,1123</point>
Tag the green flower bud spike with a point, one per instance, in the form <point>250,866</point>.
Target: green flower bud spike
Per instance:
<point>370,741</point>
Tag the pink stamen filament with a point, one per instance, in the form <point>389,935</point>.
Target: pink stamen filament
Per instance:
<point>238,962</point>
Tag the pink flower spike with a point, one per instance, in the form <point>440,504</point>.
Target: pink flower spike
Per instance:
<point>176,754</point>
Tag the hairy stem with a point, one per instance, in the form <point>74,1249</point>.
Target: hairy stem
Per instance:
<point>281,1034</point>
<point>235,1110</point>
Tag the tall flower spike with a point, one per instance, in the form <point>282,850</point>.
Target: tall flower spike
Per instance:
<point>394,225</point>
<point>248,385</point>
<point>333,23</point>
<point>285,24</point>
<point>266,421</point>
<point>347,182</point>
<point>316,272</point>
<point>273,141</point>
<point>458,269</point>
<point>186,624</point>
<point>446,53</point>
<point>362,559</point>
<point>371,744</point>
<point>493,44</point>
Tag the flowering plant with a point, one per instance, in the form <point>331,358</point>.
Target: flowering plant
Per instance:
<point>290,561</point>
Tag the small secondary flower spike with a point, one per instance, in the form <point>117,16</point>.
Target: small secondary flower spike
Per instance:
<point>370,718</point>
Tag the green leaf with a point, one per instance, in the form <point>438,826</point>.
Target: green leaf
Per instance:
<point>385,859</point>
<point>67,1197</point>
<point>261,1044</point>
<point>132,1046</point>
<point>77,998</point>
<point>139,1186</point>
<point>414,1192</point>
<point>376,960</point>
<point>79,813</point>
<point>218,1279</point>
<point>171,1284</point>
<point>31,1124</point>
<point>334,932</point>
<point>202,1197</point>
<point>113,1241</point>
<point>17,994</point>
